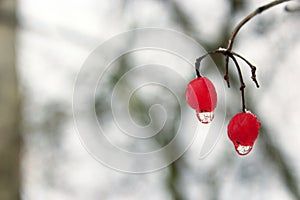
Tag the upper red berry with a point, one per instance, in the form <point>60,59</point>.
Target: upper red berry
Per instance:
<point>201,95</point>
<point>243,130</point>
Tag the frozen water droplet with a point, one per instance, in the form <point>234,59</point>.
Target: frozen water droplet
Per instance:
<point>205,117</point>
<point>243,150</point>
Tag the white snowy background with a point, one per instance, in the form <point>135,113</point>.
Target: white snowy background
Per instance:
<point>56,36</point>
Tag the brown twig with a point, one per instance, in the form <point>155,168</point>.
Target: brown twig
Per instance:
<point>226,76</point>
<point>228,53</point>
<point>242,87</point>
<point>198,60</point>
<point>249,17</point>
<point>253,68</point>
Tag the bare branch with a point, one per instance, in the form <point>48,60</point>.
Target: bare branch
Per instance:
<point>253,68</point>
<point>242,88</point>
<point>249,17</point>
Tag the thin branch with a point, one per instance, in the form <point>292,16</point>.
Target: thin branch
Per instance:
<point>235,32</point>
<point>242,88</point>
<point>226,53</point>
<point>226,77</point>
<point>249,17</point>
<point>229,53</point>
<point>198,60</point>
<point>253,68</point>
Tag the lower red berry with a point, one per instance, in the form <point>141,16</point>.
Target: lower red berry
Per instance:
<point>201,95</point>
<point>243,130</point>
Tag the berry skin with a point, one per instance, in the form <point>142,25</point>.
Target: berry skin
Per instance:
<point>201,95</point>
<point>243,130</point>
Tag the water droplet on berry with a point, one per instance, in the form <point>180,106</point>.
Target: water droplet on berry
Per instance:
<point>243,150</point>
<point>205,117</point>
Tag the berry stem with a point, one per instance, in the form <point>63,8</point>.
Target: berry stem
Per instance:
<point>253,68</point>
<point>226,77</point>
<point>242,88</point>
<point>198,60</point>
<point>227,54</point>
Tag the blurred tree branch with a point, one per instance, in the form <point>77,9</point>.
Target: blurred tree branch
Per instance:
<point>10,139</point>
<point>7,13</point>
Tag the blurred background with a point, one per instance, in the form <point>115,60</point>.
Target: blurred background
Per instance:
<point>43,45</point>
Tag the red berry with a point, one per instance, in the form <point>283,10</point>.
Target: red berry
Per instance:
<point>243,130</point>
<point>201,95</point>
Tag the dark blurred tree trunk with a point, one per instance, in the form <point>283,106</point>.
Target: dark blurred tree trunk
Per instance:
<point>10,140</point>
